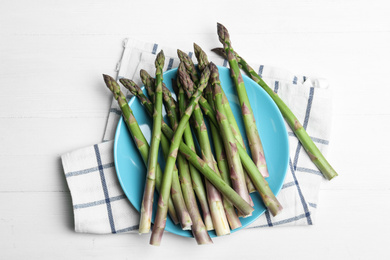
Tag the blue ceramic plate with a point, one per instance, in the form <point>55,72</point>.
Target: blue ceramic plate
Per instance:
<point>131,170</point>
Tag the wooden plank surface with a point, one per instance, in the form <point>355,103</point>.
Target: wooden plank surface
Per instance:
<point>53,100</point>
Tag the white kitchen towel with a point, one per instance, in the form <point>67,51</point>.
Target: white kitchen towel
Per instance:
<point>99,203</point>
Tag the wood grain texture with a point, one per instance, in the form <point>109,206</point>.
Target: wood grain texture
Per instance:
<point>53,100</point>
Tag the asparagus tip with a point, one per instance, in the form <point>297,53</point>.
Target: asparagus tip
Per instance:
<point>197,48</point>
<point>160,59</point>
<point>219,51</point>
<point>213,68</point>
<point>106,78</point>
<point>109,81</point>
<point>180,53</point>
<point>222,32</point>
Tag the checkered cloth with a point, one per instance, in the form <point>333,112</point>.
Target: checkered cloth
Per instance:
<point>99,203</point>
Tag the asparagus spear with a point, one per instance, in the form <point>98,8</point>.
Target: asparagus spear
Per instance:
<point>223,166</point>
<point>312,150</point>
<point>247,113</point>
<point>160,219</point>
<point>176,192</point>
<point>136,91</point>
<point>214,197</point>
<point>195,175</point>
<point>147,201</point>
<point>203,168</point>
<point>137,135</point>
<point>189,65</point>
<point>149,84</point>
<point>236,170</point>
<point>198,228</point>
<point>203,61</point>
<point>237,134</point>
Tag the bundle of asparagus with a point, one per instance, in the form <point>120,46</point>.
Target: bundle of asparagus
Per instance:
<point>219,181</point>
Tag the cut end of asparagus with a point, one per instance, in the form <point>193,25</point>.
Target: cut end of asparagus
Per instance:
<point>187,227</point>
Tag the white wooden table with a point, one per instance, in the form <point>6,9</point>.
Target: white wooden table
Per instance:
<point>52,100</point>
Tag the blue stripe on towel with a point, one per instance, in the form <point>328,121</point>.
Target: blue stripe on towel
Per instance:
<point>299,146</point>
<point>128,229</point>
<point>85,171</point>
<point>305,123</point>
<point>105,190</point>
<point>288,184</point>
<point>116,111</point>
<point>284,221</point>
<point>260,72</point>
<point>302,169</point>
<point>295,81</point>
<point>276,86</point>
<point>303,201</point>
<point>155,46</point>
<point>98,202</point>
<point>268,217</point>
<point>170,64</point>
<point>225,62</point>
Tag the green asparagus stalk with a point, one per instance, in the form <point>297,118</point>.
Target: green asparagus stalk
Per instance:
<point>223,166</point>
<point>136,91</point>
<point>198,228</point>
<point>203,168</point>
<point>190,67</point>
<point>160,219</point>
<point>137,135</point>
<point>176,192</point>
<point>202,62</point>
<point>236,170</point>
<point>312,150</point>
<point>214,197</point>
<point>237,134</point>
<point>147,201</point>
<point>170,108</point>
<point>149,83</point>
<point>197,181</point>
<point>247,113</point>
